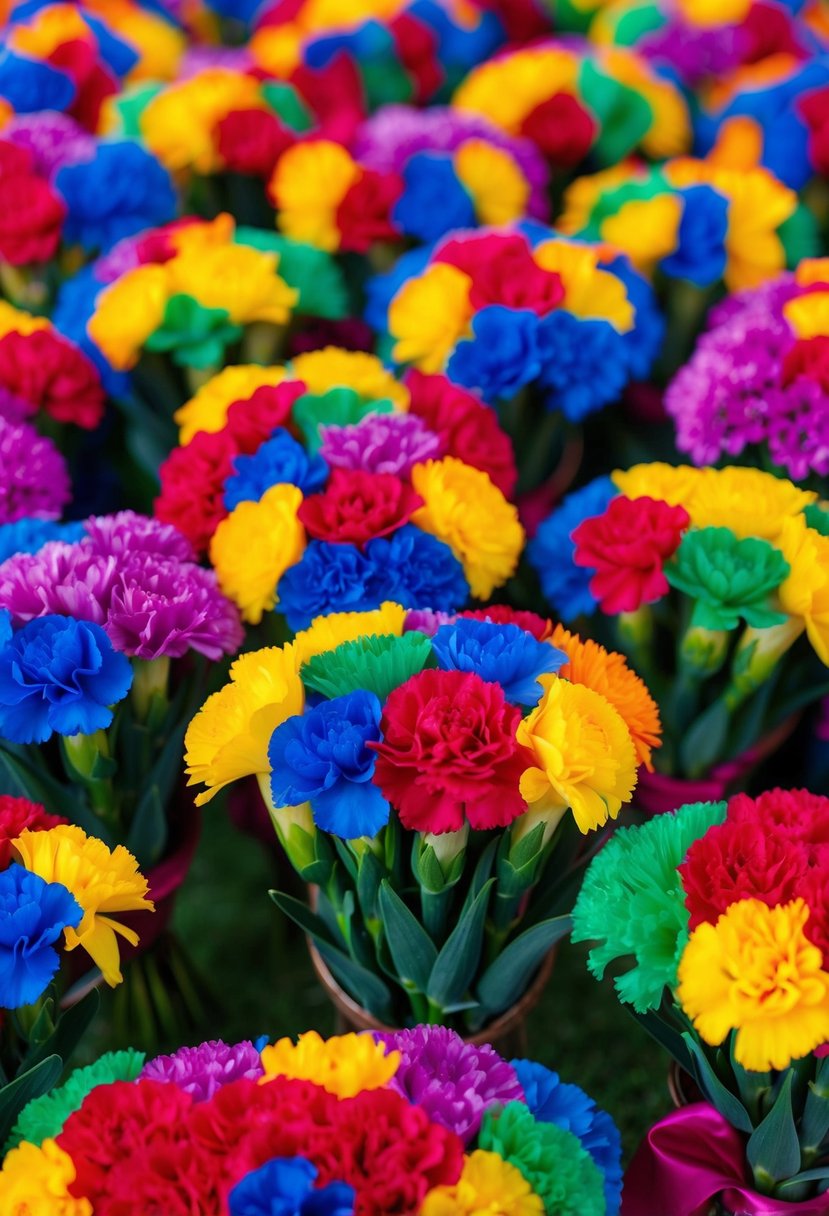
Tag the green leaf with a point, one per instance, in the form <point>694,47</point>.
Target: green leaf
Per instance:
<point>33,1083</point>
<point>528,847</point>
<point>23,775</point>
<point>729,1106</point>
<point>666,1035</point>
<point>816,1175</point>
<point>481,875</point>
<point>506,979</point>
<point>412,949</point>
<point>457,963</point>
<point>302,915</point>
<point>426,867</point>
<point>370,875</point>
<point>148,831</point>
<point>362,984</point>
<point>773,1150</point>
<point>703,742</point>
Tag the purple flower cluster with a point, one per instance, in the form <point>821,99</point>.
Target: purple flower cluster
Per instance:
<point>731,394</point>
<point>34,482</point>
<point>54,139</point>
<point>380,443</point>
<point>694,53</point>
<point>453,1081</point>
<point>203,1070</point>
<point>137,578</point>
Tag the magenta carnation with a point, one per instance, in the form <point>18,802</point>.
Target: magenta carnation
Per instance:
<point>127,533</point>
<point>54,140</point>
<point>380,443</point>
<point>426,620</point>
<point>34,482</point>
<point>201,1071</point>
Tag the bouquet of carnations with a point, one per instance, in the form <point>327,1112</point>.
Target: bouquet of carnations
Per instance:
<point>328,484</point>
<point>757,384</point>
<point>439,782</point>
<point>356,1125</point>
<point>714,582</point>
<point>714,919</point>
<point>59,890</point>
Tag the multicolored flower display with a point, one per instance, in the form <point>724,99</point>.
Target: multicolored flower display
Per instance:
<point>714,579</point>
<point>502,310</point>
<point>719,911</point>
<point>328,484</point>
<point>333,1127</point>
<point>757,384</point>
<point>387,737</point>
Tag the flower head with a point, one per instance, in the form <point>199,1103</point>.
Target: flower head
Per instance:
<point>253,547</point>
<point>35,1181</point>
<point>755,972</point>
<point>380,443</point>
<point>500,654</point>
<point>565,585</point>
<point>34,481</point>
<point>453,1081</point>
<point>17,814</point>
<point>33,915</point>
<point>487,1184</point>
<point>202,1070</point>
<point>805,592</point>
<point>727,578</point>
<point>357,506</point>
<point>289,1183</point>
<point>103,881</point>
<point>280,460</point>
<point>344,1065</point>
<point>328,632</point>
<point>44,1117</point>
<point>748,501</point>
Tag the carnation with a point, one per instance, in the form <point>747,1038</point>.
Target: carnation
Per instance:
<point>358,506</point>
<point>34,481</point>
<point>17,814</point>
<point>43,1118</point>
<point>46,371</point>
<point>380,443</point>
<point>201,1071</point>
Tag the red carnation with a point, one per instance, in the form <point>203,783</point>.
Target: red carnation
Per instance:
<point>502,614</point>
<point>192,486</point>
<point>814,108</point>
<point>815,890</point>
<point>808,357</point>
<point>449,753</point>
<point>417,47</point>
<point>767,30</point>
<point>627,546</point>
<point>364,213</point>
<point>467,428</point>
<point>793,814</point>
<point>503,271</point>
<point>358,506</point>
<point>335,95</point>
<point>93,81</point>
<point>562,128</point>
<point>252,141</point>
<point>252,421</point>
<point>17,814</point>
<point>735,861</point>
<point>31,214</point>
<point>49,373</point>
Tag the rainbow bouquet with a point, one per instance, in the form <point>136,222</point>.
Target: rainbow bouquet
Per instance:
<point>712,581</point>
<point>328,484</point>
<point>577,103</point>
<point>416,1121</point>
<point>757,384</point>
<point>439,782</point>
<point>714,920</point>
<point>60,889</point>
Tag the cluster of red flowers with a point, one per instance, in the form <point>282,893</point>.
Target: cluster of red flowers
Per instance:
<point>149,1146</point>
<point>774,848</point>
<point>31,213</point>
<point>18,814</point>
<point>42,370</point>
<point>502,270</point>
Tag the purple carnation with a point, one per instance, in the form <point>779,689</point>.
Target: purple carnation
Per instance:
<point>380,443</point>
<point>54,140</point>
<point>451,1080</point>
<point>63,579</point>
<point>203,1070</point>
<point>33,478</point>
<point>389,138</point>
<point>694,52</point>
<point>14,408</point>
<point>426,620</point>
<point>127,533</point>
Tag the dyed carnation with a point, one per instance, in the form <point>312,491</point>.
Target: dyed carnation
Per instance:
<point>127,534</point>
<point>565,585</point>
<point>795,815</point>
<point>17,814</point>
<point>53,139</point>
<point>201,1071</point>
<point>453,1081</point>
<point>358,506</point>
<point>380,443</point>
<point>193,481</point>
<point>425,620</point>
<point>33,478</point>
<point>47,372</point>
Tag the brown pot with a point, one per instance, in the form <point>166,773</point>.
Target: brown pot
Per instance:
<point>507,1033</point>
<point>682,1087</point>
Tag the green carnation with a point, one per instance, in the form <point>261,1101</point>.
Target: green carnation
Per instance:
<point>551,1159</point>
<point>632,902</point>
<point>728,577</point>
<point>311,272</point>
<point>43,1118</point>
<point>195,336</point>
<point>374,664</point>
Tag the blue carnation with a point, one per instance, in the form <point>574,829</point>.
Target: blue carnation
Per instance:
<point>565,585</point>
<point>583,362</point>
<point>33,914</point>
<point>58,674</point>
<point>570,1108</point>
<point>382,288</point>
<point>121,191</point>
<point>327,578</point>
<point>417,570</point>
<point>30,535</point>
<point>285,1187</point>
<point>700,251</point>
<point>461,45</point>
<point>643,343</point>
<point>6,630</point>
<point>322,757</point>
<point>434,201</point>
<point>504,354</point>
<point>500,654</point>
<point>29,85</point>
<point>117,54</point>
<point>280,460</point>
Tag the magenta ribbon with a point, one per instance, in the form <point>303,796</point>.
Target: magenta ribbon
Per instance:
<point>693,1157</point>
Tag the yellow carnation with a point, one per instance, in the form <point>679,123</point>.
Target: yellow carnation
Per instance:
<point>583,752</point>
<point>238,278</point>
<point>498,188</point>
<point>178,124</point>
<point>229,736</point>
<point>756,972</point>
<point>320,370</point>
<point>506,90</point>
<point>581,196</point>
<point>467,512</point>
<point>488,1186</point>
<point>308,184</point>
<point>645,229</point>
<point>207,409</point>
<point>158,42</point>
<point>588,290</point>
<point>104,882</point>
<point>812,270</point>
<point>668,483</point>
<point>429,315</point>
<point>808,315</point>
<point>127,312</point>
<point>805,593</point>
<point>15,320</point>
<point>49,29</point>
<point>747,501</point>
<point>255,545</point>
<point>35,1181</point>
<point>345,1065</point>
<point>327,632</point>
